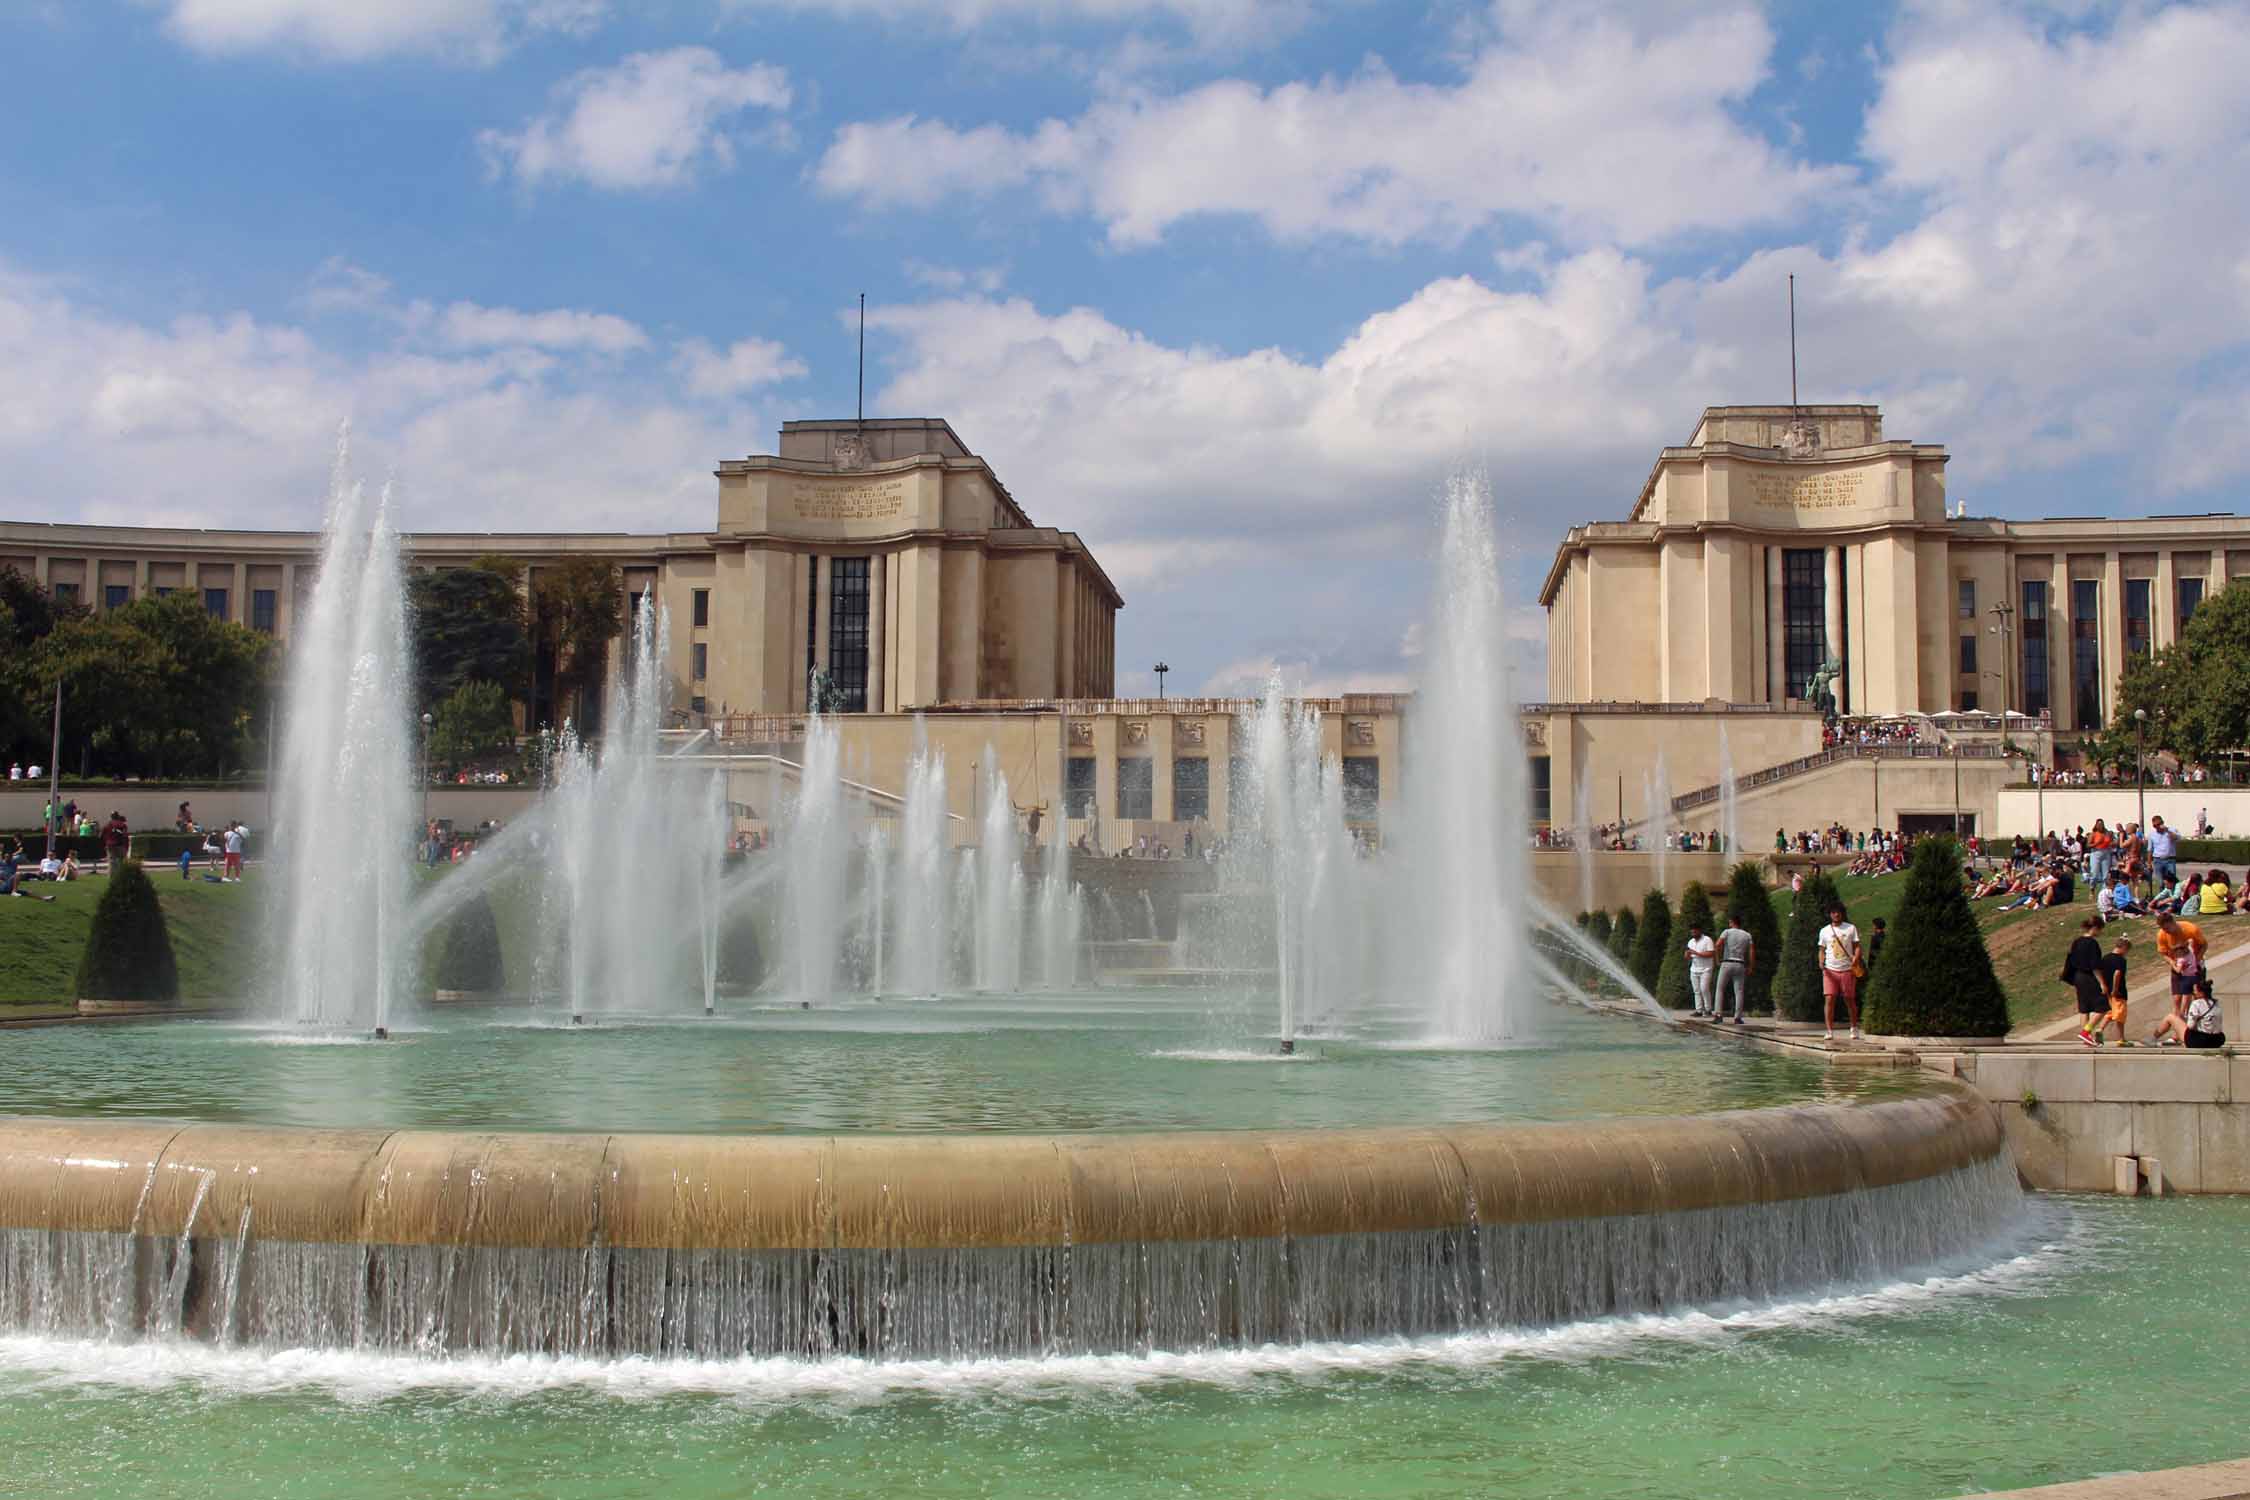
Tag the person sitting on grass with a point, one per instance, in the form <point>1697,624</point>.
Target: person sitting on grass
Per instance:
<point>2201,1024</point>
<point>2167,898</point>
<point>2122,898</point>
<point>11,884</point>
<point>2215,900</point>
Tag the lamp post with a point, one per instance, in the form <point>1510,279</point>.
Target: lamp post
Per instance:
<point>2140,780</point>
<point>1160,669</point>
<point>1955,747</point>
<point>2003,615</point>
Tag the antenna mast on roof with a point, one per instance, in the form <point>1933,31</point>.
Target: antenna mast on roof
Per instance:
<point>1792,343</point>
<point>861,422</point>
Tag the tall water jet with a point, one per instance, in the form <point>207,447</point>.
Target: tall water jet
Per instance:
<point>1060,914</point>
<point>813,850</point>
<point>1582,834</point>
<point>923,900</point>
<point>1730,801</point>
<point>1656,784</point>
<point>1460,883</point>
<point>999,953</point>
<point>345,817</point>
<point>717,819</point>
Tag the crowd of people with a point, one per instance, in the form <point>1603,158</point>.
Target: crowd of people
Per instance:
<point>1869,732</point>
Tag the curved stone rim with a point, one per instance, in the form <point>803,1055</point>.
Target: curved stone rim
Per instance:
<point>687,1192</point>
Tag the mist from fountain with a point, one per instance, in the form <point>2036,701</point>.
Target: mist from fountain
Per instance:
<point>1582,834</point>
<point>925,868</point>
<point>999,888</point>
<point>344,816</point>
<point>1730,799</point>
<point>1656,785</point>
<point>813,849</point>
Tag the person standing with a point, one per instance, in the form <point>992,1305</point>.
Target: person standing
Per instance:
<point>2113,987</point>
<point>2181,945</point>
<point>2098,846</point>
<point>1702,954</point>
<point>1738,957</point>
<point>2164,850</point>
<point>234,853</point>
<point>116,839</point>
<point>2082,971</point>
<point>1840,969</point>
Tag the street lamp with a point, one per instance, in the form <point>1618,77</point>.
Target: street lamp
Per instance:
<point>1160,669</point>
<point>1955,747</point>
<point>2140,785</point>
<point>2003,615</point>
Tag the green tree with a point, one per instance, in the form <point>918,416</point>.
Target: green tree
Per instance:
<point>578,608</point>
<point>1650,941</point>
<point>470,961</point>
<point>28,615</point>
<point>1753,908</point>
<point>470,625</point>
<point>471,724</point>
<point>1797,994</point>
<point>2196,691</point>
<point>128,949</point>
<point>1673,991</point>
<point>1936,978</point>
<point>113,676</point>
<point>1596,925</point>
<point>1623,929</point>
<point>216,687</point>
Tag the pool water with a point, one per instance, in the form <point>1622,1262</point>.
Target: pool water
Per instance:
<point>1085,1061</point>
<point>2073,1349</point>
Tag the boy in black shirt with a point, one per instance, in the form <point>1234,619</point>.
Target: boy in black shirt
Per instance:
<point>2113,988</point>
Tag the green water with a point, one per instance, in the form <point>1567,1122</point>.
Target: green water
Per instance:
<point>1107,1060</point>
<point>2078,1350</point>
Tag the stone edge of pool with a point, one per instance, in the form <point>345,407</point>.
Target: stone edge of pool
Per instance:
<point>689,1192</point>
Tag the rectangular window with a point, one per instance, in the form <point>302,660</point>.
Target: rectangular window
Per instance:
<point>1968,593</point>
<point>1191,788</point>
<point>702,608</point>
<point>2034,624</point>
<point>847,630</point>
<point>1078,791</point>
<point>1136,787</point>
<point>699,662</point>
<point>262,615</point>
<point>117,596</point>
<point>812,619</point>
<point>633,610</point>
<point>1968,656</point>
<point>1363,788</point>
<point>66,593</point>
<point>2137,596</point>
<point>698,704</point>
<point>2191,595</point>
<point>1542,789</point>
<point>215,603</point>
<point>2086,651</point>
<point>1804,610</point>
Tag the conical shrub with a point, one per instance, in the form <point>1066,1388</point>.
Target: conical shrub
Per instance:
<point>742,962</point>
<point>129,949</point>
<point>1797,980</point>
<point>1936,978</point>
<point>1622,933</point>
<point>1597,928</point>
<point>1753,908</point>
<point>470,961</point>
<point>1673,991</point>
<point>1652,939</point>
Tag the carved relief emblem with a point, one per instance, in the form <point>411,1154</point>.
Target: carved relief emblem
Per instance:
<point>1535,733</point>
<point>1189,731</point>
<point>1136,731</point>
<point>1081,732</point>
<point>1800,440</point>
<point>1363,731</point>
<point>850,450</point>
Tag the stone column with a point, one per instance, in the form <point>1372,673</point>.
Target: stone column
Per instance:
<point>1777,635</point>
<point>2164,606</point>
<point>1833,598</point>
<point>140,578</point>
<point>875,570</point>
<point>2061,646</point>
<point>285,603</point>
<point>238,596</point>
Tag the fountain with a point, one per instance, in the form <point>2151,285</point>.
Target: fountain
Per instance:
<point>1730,800</point>
<point>344,817</point>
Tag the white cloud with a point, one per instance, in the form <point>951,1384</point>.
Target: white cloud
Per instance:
<point>651,121</point>
<point>741,367</point>
<point>356,30</point>
<point>985,279</point>
<point>1606,131</point>
<point>465,325</point>
<point>1209,21</point>
<point>229,421</point>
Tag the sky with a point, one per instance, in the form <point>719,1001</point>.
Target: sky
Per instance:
<point>1227,287</point>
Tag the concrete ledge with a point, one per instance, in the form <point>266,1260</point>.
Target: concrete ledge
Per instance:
<point>2221,1481</point>
<point>956,1192</point>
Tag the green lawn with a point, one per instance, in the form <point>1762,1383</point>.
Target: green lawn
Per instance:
<point>2027,947</point>
<point>214,928</point>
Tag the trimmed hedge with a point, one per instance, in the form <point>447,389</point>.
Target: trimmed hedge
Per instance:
<point>470,960</point>
<point>2214,852</point>
<point>1672,989</point>
<point>742,962</point>
<point>1747,899</point>
<point>1652,939</point>
<point>1797,994</point>
<point>128,948</point>
<point>1623,930</point>
<point>1936,978</point>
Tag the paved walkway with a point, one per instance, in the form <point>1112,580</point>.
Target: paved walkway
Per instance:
<point>2151,997</point>
<point>2223,1481</point>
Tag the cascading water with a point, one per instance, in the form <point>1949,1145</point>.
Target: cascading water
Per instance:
<point>345,817</point>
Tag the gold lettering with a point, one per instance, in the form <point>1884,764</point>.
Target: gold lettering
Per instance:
<point>860,500</point>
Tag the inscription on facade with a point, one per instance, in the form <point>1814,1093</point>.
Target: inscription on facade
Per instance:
<point>1840,491</point>
<point>863,500</point>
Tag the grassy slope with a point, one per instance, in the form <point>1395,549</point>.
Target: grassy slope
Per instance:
<point>214,932</point>
<point>2027,947</point>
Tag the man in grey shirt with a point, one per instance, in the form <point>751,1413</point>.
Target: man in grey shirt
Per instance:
<point>1738,955</point>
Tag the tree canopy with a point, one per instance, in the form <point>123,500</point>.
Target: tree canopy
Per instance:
<point>578,608</point>
<point>470,625</point>
<point>2196,690</point>
<point>472,723</point>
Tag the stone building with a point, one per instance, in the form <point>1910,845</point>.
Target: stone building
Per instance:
<point>883,552</point>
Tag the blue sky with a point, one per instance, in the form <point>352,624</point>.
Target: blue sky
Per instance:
<point>1223,285</point>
